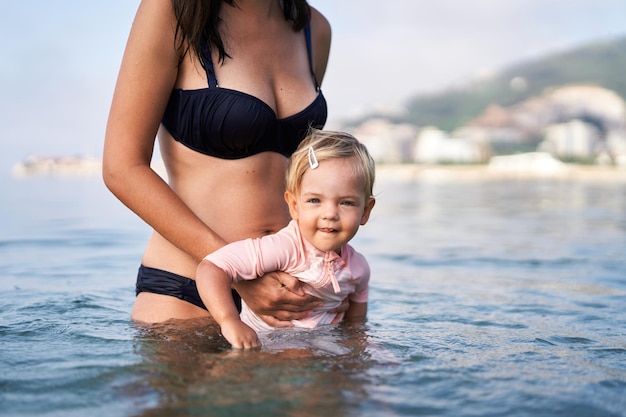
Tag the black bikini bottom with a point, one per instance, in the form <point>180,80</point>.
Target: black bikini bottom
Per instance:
<point>162,282</point>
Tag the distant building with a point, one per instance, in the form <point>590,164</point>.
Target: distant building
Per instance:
<point>571,140</point>
<point>597,105</point>
<point>616,148</point>
<point>530,163</point>
<point>573,121</point>
<point>387,142</point>
<point>434,146</point>
<point>62,165</point>
<point>496,125</point>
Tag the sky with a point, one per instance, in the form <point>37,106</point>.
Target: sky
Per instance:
<point>59,59</point>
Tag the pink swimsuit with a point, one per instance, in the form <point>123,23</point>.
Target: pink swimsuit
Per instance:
<point>329,276</point>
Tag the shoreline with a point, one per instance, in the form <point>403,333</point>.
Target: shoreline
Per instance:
<point>567,172</point>
<point>89,166</point>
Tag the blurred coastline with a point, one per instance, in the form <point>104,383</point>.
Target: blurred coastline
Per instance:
<point>532,165</point>
<point>571,172</point>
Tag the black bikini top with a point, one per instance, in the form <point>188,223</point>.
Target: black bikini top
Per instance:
<point>230,124</point>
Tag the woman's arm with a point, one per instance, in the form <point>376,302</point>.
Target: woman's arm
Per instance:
<point>277,298</point>
<point>147,75</point>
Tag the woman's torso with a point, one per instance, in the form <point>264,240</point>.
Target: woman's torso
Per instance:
<point>243,196</point>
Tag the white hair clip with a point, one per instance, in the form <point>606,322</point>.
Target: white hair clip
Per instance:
<point>312,158</point>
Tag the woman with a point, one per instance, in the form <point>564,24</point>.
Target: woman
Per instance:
<point>229,88</point>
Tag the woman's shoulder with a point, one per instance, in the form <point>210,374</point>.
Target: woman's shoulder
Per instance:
<point>154,23</point>
<point>320,26</point>
<point>155,10</point>
<point>321,37</point>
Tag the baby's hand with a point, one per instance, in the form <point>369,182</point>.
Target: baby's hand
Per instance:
<point>239,334</point>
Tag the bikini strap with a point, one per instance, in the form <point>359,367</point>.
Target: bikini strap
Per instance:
<point>307,34</point>
<point>208,66</point>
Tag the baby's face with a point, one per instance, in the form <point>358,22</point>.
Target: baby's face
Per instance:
<point>331,205</point>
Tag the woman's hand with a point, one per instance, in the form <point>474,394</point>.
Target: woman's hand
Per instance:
<point>277,298</point>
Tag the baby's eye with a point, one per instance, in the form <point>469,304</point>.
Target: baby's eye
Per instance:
<point>348,203</point>
<point>313,200</point>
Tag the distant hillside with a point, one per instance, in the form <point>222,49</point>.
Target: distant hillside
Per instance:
<point>601,63</point>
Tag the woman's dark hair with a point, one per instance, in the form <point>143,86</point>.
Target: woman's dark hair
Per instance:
<point>198,23</point>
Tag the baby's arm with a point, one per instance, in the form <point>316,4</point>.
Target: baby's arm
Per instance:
<point>214,288</point>
<point>357,312</point>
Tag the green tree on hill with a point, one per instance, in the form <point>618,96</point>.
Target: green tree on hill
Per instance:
<point>601,63</point>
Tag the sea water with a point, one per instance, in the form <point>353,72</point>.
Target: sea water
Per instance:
<point>497,297</point>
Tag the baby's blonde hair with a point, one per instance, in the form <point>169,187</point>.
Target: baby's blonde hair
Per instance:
<point>329,145</point>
